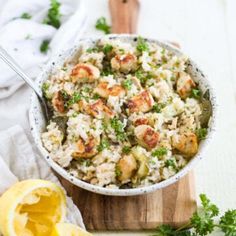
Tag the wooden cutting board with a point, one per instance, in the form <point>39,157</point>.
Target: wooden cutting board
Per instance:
<point>172,205</point>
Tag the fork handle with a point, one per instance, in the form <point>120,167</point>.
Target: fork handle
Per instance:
<point>124,14</point>
<point>14,65</point>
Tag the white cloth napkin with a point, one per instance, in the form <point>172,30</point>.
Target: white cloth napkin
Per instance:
<point>18,162</point>
<point>22,37</point>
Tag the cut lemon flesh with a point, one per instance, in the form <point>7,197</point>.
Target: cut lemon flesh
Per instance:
<point>31,208</point>
<point>66,229</point>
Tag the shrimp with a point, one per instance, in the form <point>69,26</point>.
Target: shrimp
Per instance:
<point>146,136</point>
<point>85,73</point>
<point>126,167</point>
<point>142,102</point>
<point>86,149</point>
<point>103,91</point>
<point>124,63</point>
<point>99,110</point>
<point>186,144</point>
<point>184,85</point>
<point>58,102</point>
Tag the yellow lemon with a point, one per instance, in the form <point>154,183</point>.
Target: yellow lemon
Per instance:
<point>31,207</point>
<point>62,229</point>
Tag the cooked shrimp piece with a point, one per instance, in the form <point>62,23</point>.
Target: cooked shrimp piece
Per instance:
<point>86,149</point>
<point>85,73</point>
<point>126,168</point>
<point>58,102</point>
<point>141,121</point>
<point>185,85</point>
<point>104,91</point>
<point>146,136</point>
<point>99,110</point>
<point>124,63</point>
<point>142,102</point>
<point>186,144</point>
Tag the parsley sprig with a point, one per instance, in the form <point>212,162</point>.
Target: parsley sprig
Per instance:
<point>118,127</point>
<point>142,45</point>
<point>203,222</point>
<point>44,47</point>
<point>127,84</point>
<point>102,25</point>
<point>104,144</point>
<point>54,16</point>
<point>26,16</point>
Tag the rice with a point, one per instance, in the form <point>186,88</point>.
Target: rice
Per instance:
<point>125,115</point>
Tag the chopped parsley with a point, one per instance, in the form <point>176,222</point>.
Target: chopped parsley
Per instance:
<point>118,172</point>
<point>94,49</point>
<point>107,48</point>
<point>44,47</point>
<point>104,125</point>
<point>142,45</point>
<point>159,152</point>
<point>104,144</point>
<point>96,96</point>
<point>54,16</point>
<point>107,72</point>
<point>45,87</point>
<point>26,15</point>
<point>126,149</point>
<point>170,163</point>
<point>101,24</point>
<point>196,93</point>
<point>143,77</point>
<point>201,133</point>
<point>203,222</point>
<point>74,99</point>
<point>157,107</point>
<point>118,127</point>
<point>127,83</point>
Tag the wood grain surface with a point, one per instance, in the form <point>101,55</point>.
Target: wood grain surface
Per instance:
<point>172,205</point>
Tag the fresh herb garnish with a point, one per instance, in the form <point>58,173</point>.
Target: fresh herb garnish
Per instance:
<point>170,163</point>
<point>26,15</point>
<point>228,223</point>
<point>44,46</point>
<point>54,16</point>
<point>201,133</point>
<point>127,84</point>
<point>74,99</point>
<point>118,172</point>
<point>107,48</point>
<point>196,93</point>
<point>143,77</point>
<point>118,127</point>
<point>104,144</point>
<point>101,24</point>
<point>142,45</point>
<point>94,49</point>
<point>203,222</point>
<point>159,152</point>
<point>107,72</point>
<point>104,125</point>
<point>126,149</point>
<point>45,87</point>
<point>96,96</point>
<point>157,107</point>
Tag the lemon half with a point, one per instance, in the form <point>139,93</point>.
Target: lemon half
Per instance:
<point>62,229</point>
<point>31,207</point>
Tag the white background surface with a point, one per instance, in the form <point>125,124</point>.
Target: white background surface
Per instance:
<point>206,30</point>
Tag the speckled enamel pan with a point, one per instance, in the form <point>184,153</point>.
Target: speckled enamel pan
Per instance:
<point>37,121</point>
